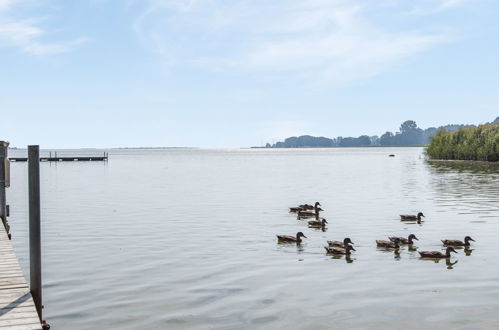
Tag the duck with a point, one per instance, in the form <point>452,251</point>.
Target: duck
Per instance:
<point>410,217</point>
<point>308,214</point>
<point>318,223</point>
<point>388,244</point>
<point>295,209</point>
<point>290,239</point>
<point>437,254</point>
<point>455,242</point>
<point>339,250</point>
<point>403,240</point>
<point>345,242</point>
<point>311,207</point>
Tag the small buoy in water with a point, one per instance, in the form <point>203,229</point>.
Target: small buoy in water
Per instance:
<point>391,155</point>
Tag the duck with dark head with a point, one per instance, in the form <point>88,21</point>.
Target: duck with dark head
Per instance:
<point>403,240</point>
<point>290,239</point>
<point>411,217</point>
<point>339,250</point>
<point>317,223</point>
<point>437,254</point>
<point>345,242</point>
<point>457,243</point>
<point>308,214</point>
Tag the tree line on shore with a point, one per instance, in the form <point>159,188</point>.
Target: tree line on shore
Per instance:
<point>473,143</point>
<point>409,134</point>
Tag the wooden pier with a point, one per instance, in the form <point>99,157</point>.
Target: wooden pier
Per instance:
<point>55,158</point>
<point>17,308</point>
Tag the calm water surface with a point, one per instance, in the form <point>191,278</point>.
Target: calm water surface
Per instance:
<point>185,239</point>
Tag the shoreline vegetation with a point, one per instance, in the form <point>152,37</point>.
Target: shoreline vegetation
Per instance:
<point>479,143</point>
<point>409,135</point>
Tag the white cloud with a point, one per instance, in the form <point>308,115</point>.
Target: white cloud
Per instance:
<point>332,41</point>
<point>27,34</point>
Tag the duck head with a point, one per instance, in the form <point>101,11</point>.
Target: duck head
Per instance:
<point>324,221</point>
<point>300,234</point>
<point>467,239</point>
<point>420,214</point>
<point>347,240</point>
<point>411,237</point>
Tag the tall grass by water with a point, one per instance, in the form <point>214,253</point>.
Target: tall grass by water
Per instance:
<point>475,143</point>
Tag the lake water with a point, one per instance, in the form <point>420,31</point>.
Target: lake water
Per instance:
<point>185,239</point>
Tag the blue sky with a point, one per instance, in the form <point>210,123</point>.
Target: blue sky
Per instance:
<point>235,73</point>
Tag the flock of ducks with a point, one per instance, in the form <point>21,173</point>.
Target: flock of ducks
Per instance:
<point>345,247</point>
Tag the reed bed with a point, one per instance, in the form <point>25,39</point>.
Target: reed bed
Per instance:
<point>474,143</point>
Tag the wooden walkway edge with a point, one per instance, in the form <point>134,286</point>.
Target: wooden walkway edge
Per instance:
<point>17,309</point>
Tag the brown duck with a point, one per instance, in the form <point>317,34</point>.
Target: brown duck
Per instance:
<point>308,214</point>
<point>437,254</point>
<point>318,223</point>
<point>339,250</point>
<point>388,244</point>
<point>403,240</point>
<point>290,239</point>
<point>341,244</point>
<point>410,217</point>
<point>455,242</point>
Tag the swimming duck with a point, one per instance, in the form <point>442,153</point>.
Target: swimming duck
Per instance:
<point>388,244</point>
<point>410,217</point>
<point>318,223</point>
<point>345,242</point>
<point>307,214</point>
<point>455,242</point>
<point>290,239</point>
<point>437,254</point>
<point>403,240</point>
<point>339,250</point>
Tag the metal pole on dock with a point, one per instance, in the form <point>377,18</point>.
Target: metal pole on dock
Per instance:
<point>4,146</point>
<point>35,255</point>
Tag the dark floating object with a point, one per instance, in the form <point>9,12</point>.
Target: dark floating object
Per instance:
<point>339,250</point>
<point>391,155</point>
<point>388,244</point>
<point>437,254</point>
<point>403,240</point>
<point>455,242</point>
<point>318,223</point>
<point>305,207</point>
<point>290,239</point>
<point>345,242</point>
<point>410,217</point>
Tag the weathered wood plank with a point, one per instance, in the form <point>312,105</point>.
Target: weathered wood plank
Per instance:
<point>17,309</point>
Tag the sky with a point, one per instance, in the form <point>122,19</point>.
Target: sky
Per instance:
<point>240,73</point>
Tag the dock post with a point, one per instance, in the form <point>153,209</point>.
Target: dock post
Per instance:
<point>4,146</point>
<point>35,255</point>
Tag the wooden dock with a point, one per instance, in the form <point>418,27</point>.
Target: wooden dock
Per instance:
<point>62,159</point>
<point>17,309</point>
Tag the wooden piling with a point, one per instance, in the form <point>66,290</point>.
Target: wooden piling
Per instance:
<point>35,254</point>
